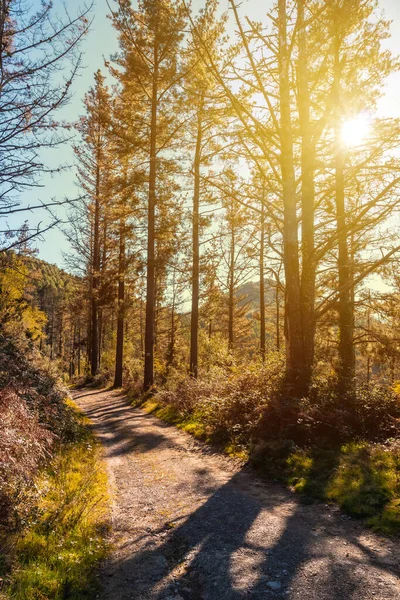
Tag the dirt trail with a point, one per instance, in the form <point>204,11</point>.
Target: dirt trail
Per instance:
<point>189,524</point>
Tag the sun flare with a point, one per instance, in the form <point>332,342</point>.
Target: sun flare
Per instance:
<point>355,130</point>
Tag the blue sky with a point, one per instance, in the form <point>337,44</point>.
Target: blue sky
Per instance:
<point>99,44</point>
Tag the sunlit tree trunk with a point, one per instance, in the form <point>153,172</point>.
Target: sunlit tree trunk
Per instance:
<point>231,289</point>
<point>150,290</point>
<point>79,350</point>
<point>346,369</point>
<point>171,346</point>
<point>307,202</point>
<point>194,319</point>
<point>94,351</point>
<point>262,280</point>
<point>293,313</point>
<point>119,353</point>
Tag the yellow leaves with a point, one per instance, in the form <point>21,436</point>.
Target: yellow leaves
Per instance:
<point>17,314</point>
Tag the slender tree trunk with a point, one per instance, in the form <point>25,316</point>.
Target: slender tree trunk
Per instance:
<point>94,353</point>
<point>171,348</point>
<point>368,330</point>
<point>293,313</point>
<point>307,204</point>
<point>101,311</point>
<point>72,353</point>
<point>278,316</point>
<point>231,296</point>
<point>150,291</point>
<point>61,337</point>
<point>194,320</point>
<point>119,353</point>
<point>141,327</point>
<point>79,350</point>
<point>100,334</point>
<point>262,280</point>
<point>156,312</point>
<point>346,320</point>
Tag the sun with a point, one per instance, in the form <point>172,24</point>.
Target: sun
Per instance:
<point>355,130</point>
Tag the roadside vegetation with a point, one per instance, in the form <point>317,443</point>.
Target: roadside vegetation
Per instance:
<point>53,495</point>
<point>319,447</point>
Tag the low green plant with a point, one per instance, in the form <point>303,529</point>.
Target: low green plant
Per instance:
<point>362,478</point>
<point>366,483</point>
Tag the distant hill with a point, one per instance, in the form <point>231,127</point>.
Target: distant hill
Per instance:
<point>249,293</point>
<point>46,275</point>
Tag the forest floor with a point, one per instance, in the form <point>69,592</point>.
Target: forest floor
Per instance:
<point>191,524</point>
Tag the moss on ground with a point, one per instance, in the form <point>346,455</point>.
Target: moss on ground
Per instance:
<point>56,554</point>
<point>362,478</point>
<point>189,423</point>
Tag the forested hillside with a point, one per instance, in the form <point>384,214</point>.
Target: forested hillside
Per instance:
<point>40,302</point>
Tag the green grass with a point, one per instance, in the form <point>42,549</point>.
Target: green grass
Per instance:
<point>363,479</point>
<point>56,554</point>
<point>189,423</point>
<point>366,484</point>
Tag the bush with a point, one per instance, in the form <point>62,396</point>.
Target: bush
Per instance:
<point>326,419</point>
<point>33,420</point>
<point>25,444</point>
<point>229,404</point>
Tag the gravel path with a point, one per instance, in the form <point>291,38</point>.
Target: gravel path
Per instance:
<point>190,524</point>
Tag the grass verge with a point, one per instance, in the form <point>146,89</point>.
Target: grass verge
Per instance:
<point>362,478</point>
<point>55,556</point>
<point>191,424</point>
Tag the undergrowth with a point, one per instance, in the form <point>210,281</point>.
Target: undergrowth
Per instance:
<point>55,554</point>
<point>320,447</point>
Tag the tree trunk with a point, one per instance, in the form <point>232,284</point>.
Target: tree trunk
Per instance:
<point>278,316</point>
<point>119,353</point>
<point>141,327</point>
<point>307,204</point>
<point>94,351</point>
<point>52,332</point>
<point>231,297</point>
<point>293,313</point>
<point>262,281</point>
<point>171,347</point>
<point>100,334</point>
<point>72,353</point>
<point>346,369</point>
<point>150,289</point>
<point>61,337</point>
<point>79,349</point>
<point>194,320</point>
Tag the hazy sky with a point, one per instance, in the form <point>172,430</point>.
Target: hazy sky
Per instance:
<point>99,44</point>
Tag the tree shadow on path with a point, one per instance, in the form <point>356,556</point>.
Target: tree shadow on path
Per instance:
<point>246,540</point>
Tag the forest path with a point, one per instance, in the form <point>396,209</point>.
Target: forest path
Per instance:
<point>190,524</point>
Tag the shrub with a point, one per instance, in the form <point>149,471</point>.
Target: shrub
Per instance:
<point>327,419</point>
<point>229,404</point>
<point>33,418</point>
<point>56,553</point>
<point>25,443</point>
